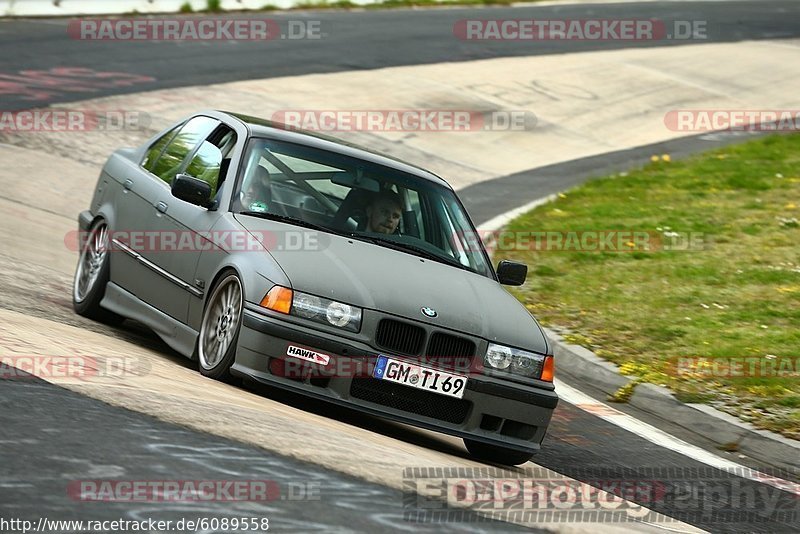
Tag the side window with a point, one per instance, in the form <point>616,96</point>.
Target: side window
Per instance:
<point>455,238</point>
<point>157,148</point>
<point>413,197</point>
<point>169,164</point>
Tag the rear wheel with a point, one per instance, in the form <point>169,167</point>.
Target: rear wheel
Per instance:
<point>91,276</point>
<point>496,455</point>
<point>219,329</point>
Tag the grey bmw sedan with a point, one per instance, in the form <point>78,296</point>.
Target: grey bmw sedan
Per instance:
<point>310,264</point>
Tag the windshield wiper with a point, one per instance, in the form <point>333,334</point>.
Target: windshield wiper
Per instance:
<point>417,251</point>
<point>289,220</point>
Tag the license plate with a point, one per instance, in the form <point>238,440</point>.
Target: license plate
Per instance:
<point>420,377</point>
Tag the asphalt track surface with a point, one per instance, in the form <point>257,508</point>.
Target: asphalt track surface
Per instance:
<point>352,41</point>
<point>59,430</point>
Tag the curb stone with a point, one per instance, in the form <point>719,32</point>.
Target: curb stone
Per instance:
<point>703,420</point>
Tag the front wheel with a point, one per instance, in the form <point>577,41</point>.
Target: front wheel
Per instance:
<point>496,455</point>
<point>92,275</point>
<point>219,329</point>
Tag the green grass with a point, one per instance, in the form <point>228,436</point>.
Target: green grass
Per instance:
<point>393,4</point>
<point>215,6</point>
<point>734,294</point>
<point>325,4</point>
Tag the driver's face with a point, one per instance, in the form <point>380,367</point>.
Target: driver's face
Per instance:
<point>249,194</point>
<point>255,190</point>
<point>383,217</point>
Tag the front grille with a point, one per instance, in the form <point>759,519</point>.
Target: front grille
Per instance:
<point>447,346</point>
<point>450,352</point>
<point>400,337</point>
<point>411,400</point>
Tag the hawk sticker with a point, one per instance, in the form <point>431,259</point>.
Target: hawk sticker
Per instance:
<point>307,355</point>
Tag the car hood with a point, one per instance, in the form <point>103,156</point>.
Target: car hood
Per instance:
<point>374,277</point>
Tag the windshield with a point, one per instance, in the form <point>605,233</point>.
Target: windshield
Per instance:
<point>342,194</point>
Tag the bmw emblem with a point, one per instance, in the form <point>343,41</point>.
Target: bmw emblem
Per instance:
<point>428,312</point>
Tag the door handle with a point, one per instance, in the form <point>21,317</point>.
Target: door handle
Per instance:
<point>128,184</point>
<point>162,207</point>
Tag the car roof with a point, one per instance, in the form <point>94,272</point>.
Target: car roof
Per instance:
<point>276,130</point>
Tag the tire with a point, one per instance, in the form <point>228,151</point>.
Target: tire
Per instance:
<point>496,455</point>
<point>219,328</point>
<point>92,275</point>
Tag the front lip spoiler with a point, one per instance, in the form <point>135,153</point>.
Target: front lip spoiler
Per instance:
<point>376,412</point>
<point>512,391</point>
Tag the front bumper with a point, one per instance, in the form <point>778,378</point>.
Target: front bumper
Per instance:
<point>85,220</point>
<point>492,410</point>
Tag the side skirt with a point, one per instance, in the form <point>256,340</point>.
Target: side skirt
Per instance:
<point>174,333</point>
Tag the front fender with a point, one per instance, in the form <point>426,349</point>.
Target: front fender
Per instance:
<point>257,270</point>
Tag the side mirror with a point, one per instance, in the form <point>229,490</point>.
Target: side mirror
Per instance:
<point>511,273</point>
<point>192,190</point>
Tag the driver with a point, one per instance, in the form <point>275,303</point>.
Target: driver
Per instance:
<point>257,194</point>
<point>383,213</point>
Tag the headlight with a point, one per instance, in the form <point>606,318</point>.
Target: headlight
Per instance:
<point>340,315</point>
<point>314,308</point>
<point>498,356</point>
<point>308,306</point>
<point>326,311</point>
<point>515,361</point>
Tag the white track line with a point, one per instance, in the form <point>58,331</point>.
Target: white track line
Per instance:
<point>503,219</point>
<point>668,441</point>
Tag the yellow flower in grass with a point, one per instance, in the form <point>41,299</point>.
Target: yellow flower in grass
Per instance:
<point>788,289</point>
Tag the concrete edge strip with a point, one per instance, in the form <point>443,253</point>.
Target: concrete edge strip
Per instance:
<point>702,420</point>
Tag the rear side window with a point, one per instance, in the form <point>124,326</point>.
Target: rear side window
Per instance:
<point>173,155</point>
